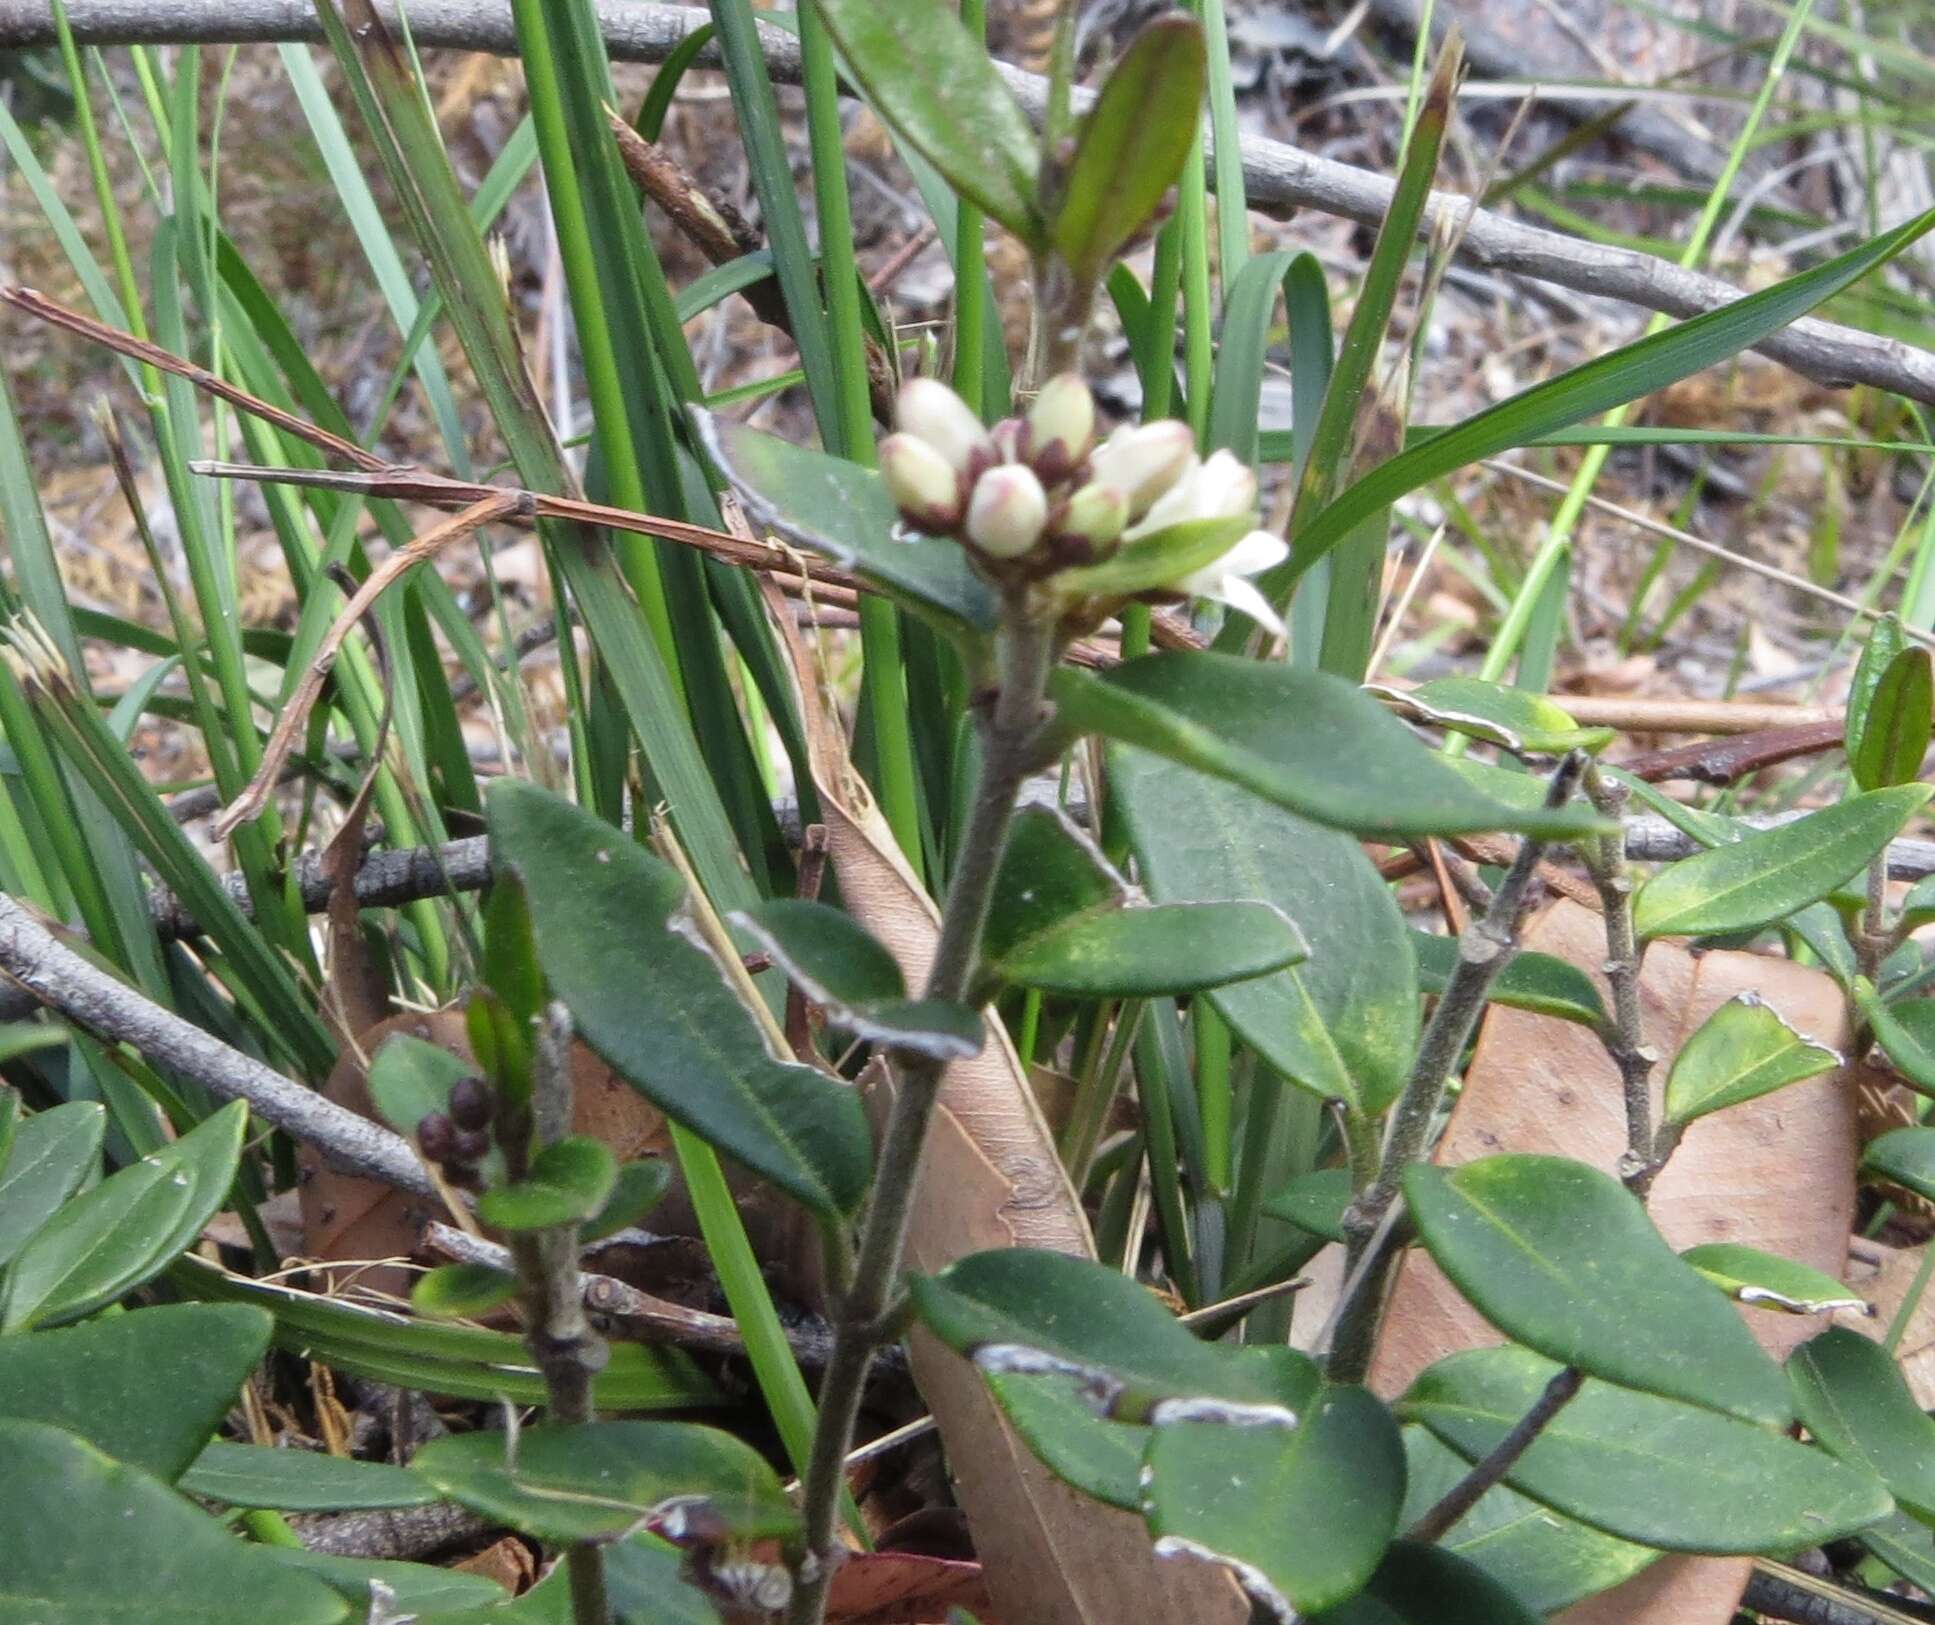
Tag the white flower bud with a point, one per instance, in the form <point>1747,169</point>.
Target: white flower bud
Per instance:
<point>1093,517</point>
<point>923,483</point>
<point>929,409</point>
<point>1143,461</point>
<point>1007,512</point>
<point>1222,488</point>
<point>1061,427</point>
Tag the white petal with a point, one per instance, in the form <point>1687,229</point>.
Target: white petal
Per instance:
<point>1227,488</point>
<point>1238,593</point>
<point>1258,551</point>
<point>1176,505</point>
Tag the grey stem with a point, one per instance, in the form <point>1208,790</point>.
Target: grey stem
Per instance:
<point>1465,1494</point>
<point>1624,1039</point>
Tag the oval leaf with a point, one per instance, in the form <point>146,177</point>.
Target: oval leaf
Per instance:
<point>1886,641</point>
<point>1301,1516</point>
<point>598,1480</point>
<point>570,1180</point>
<point>1905,1030</point>
<point>653,1004</point>
<point>1766,876</point>
<point>1524,723</point>
<point>1425,1585</point>
<point>1099,1457</point>
<point>1315,1202</point>
<point>1894,738</point>
<point>1742,1051</point>
<point>409,1078</point>
<point>1763,1281</point>
<point>99,1240</point>
<point>640,1187</point>
<point>1646,1469</point>
<point>1564,1259</point>
<point>53,1151</point>
<point>414,1591</point>
<point>1303,739</point>
<point>1852,1399</point>
<point>1540,983</point>
<point>461,1292</point>
<point>253,1475</point>
<point>1132,144</point>
<point>1904,1157</point>
<point>1135,953</point>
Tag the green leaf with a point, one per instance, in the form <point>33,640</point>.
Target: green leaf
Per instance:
<point>1624,375</point>
<point>934,85</point>
<point>1902,1544</point>
<point>1904,1157</point>
<point>93,1248</point>
<point>253,1475</point>
<point>1099,1457</point>
<point>1303,739</point>
<point>653,1004</point>
<point>416,1590</point>
<point>1532,981</point>
<point>598,1480</point>
<point>1315,1202</point>
<point>1853,1402</point>
<point>1132,144</point>
<point>1524,723</point>
<point>53,1151</point>
<point>1546,1561</point>
<point>410,1078</point>
<point>643,1578</point>
<point>1063,921</point>
<point>1343,1024</point>
<point>641,1186</point>
<point>1301,1515</point>
<point>146,1388</point>
<point>570,1180</point>
<point>843,512</point>
<point>843,968</point>
<point>1763,1281</point>
<point>1646,1469</point>
<point>1905,1031</point>
<point>18,1038</point>
<point>1886,642</point>
<point>1028,1311</point>
<point>1744,1050</point>
<point>462,1291</point>
<point>511,968</point>
<point>207,1158</point>
<point>1894,736</point>
<point>1564,1259</point>
<point>98,1541</point>
<point>1153,561</point>
<point>1426,1585</point>
<point>1764,877</point>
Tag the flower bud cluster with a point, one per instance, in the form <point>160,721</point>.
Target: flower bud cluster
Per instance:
<point>458,1138</point>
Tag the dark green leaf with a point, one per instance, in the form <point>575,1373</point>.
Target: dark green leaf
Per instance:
<point>1646,1469</point>
<point>53,1151</point>
<point>1301,1515</point>
<point>1764,877</point>
<point>1547,1561</point>
<point>207,1158</point>
<point>1524,723</point>
<point>653,1004</point>
<point>1530,981</point>
<point>1853,1401</point>
<point>1905,1030</point>
<point>1303,739</point>
<point>1344,1023</point>
<point>1624,375</point>
<point>1764,1281</point>
<point>641,1187</point>
<point>87,1251</point>
<point>933,84</point>
<point>462,1291</point>
<point>1903,1545</point>
<point>98,1541</point>
<point>416,1590</point>
<point>1564,1259</point>
<point>569,1181</point>
<point>1132,144</point>
<point>146,1388</point>
<point>598,1480</point>
<point>1744,1050</point>
<point>1894,738</point>
<point>1063,922</point>
<point>511,969</point>
<point>1904,1157</point>
<point>1101,1458</point>
<point>842,512</point>
<point>843,968</point>
<point>18,1038</point>
<point>253,1475</point>
<point>1315,1202</point>
<point>1022,1310</point>
<point>1886,642</point>
<point>410,1078</point>
<point>1426,1585</point>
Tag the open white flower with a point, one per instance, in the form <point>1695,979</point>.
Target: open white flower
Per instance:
<point>1227,582</point>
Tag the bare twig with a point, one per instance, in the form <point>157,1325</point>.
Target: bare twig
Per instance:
<point>1465,1494</point>
<point>31,959</point>
<point>401,1532</point>
<point>1276,174</point>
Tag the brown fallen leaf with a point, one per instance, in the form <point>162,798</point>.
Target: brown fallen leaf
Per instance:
<point>509,1562</point>
<point>992,1178</point>
<point>1777,1173</point>
<point>906,1588</point>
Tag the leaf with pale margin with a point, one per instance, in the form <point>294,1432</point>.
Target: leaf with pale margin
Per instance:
<point>1647,1469</point>
<point>1564,1259</point>
<point>839,965</point>
<point>654,1005</point>
<point>1765,1281</point>
<point>1524,723</point>
<point>1308,741</point>
<point>1744,1050</point>
<point>1766,876</point>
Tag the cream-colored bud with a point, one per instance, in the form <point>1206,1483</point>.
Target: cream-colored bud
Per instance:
<point>1061,427</point>
<point>1143,460</point>
<point>923,483</point>
<point>1093,516</point>
<point>1007,512</point>
<point>1222,488</point>
<point>929,409</point>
